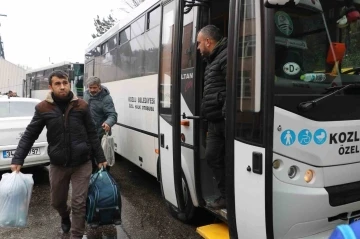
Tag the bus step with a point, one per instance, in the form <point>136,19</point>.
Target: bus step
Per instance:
<point>221,212</point>
<point>214,231</point>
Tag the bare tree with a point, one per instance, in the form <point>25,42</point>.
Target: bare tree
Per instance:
<point>103,25</point>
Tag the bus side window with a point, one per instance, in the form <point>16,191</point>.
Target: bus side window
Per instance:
<point>249,73</point>
<point>248,81</point>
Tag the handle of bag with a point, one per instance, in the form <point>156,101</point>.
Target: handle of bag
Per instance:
<point>98,173</point>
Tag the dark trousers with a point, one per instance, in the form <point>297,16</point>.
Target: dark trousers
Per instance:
<point>79,177</point>
<point>215,152</point>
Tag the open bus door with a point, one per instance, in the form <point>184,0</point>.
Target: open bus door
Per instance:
<point>249,126</point>
<point>169,106</point>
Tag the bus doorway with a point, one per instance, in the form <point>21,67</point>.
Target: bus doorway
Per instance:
<point>198,179</point>
<point>218,16</point>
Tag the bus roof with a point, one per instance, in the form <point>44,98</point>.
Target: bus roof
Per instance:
<point>50,66</point>
<point>143,7</point>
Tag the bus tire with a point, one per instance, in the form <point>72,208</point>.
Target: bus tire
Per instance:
<point>189,211</point>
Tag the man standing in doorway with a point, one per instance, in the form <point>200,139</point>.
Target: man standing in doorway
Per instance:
<point>213,47</point>
<point>101,106</point>
<point>72,138</point>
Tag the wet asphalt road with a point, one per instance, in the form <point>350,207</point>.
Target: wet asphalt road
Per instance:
<point>144,214</point>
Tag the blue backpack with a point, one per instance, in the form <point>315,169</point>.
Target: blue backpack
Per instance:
<point>103,203</point>
<point>351,231</point>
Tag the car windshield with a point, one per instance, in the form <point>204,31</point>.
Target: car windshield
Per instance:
<point>17,109</point>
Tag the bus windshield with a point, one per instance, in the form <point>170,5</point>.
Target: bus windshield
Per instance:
<point>302,44</point>
<point>312,54</point>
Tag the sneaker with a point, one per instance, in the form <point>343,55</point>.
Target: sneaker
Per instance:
<point>217,204</point>
<point>65,224</point>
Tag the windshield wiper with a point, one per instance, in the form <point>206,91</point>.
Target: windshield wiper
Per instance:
<point>308,105</point>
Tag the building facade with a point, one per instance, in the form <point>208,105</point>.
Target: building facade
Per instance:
<point>11,77</point>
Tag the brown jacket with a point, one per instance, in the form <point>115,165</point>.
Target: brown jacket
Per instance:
<point>71,135</point>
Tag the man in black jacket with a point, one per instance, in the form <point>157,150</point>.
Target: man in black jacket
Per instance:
<point>213,47</point>
<point>71,135</point>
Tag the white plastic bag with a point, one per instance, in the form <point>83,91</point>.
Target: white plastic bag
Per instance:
<point>15,194</point>
<point>107,143</point>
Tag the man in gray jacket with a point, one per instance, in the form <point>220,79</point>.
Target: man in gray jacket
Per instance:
<point>101,106</point>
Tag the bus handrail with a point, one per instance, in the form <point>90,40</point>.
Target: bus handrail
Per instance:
<point>184,116</point>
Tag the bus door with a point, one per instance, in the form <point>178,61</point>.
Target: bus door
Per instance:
<point>177,103</point>
<point>166,103</point>
<point>249,123</point>
<point>189,124</point>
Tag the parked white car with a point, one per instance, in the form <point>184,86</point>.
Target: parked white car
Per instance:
<point>15,115</point>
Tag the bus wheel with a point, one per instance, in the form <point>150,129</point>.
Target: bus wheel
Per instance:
<point>189,210</point>
<point>188,214</point>
<point>189,206</point>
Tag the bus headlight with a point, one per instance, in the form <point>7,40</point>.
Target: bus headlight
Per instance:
<point>292,172</point>
<point>276,164</point>
<point>309,175</point>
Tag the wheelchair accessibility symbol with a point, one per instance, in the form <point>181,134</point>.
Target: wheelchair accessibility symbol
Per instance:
<point>304,137</point>
<point>288,137</point>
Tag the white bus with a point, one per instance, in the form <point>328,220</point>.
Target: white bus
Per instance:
<point>36,84</point>
<point>292,120</point>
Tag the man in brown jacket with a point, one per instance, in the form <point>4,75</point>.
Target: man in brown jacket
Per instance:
<point>72,138</point>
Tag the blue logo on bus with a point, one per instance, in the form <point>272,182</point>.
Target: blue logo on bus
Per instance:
<point>288,137</point>
<point>304,137</point>
<point>320,136</point>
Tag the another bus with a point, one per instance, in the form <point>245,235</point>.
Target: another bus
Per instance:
<point>36,84</point>
<point>292,120</point>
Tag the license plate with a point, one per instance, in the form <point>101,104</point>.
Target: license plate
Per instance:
<point>354,219</point>
<point>11,153</point>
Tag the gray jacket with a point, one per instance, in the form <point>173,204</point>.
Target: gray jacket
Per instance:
<point>102,109</point>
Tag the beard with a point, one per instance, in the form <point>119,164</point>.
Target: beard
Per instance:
<point>94,93</point>
<point>205,54</point>
<point>62,94</point>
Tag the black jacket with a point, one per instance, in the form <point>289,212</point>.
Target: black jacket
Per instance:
<point>215,83</point>
<point>71,135</point>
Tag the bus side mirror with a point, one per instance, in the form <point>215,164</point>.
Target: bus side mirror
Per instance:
<point>337,55</point>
